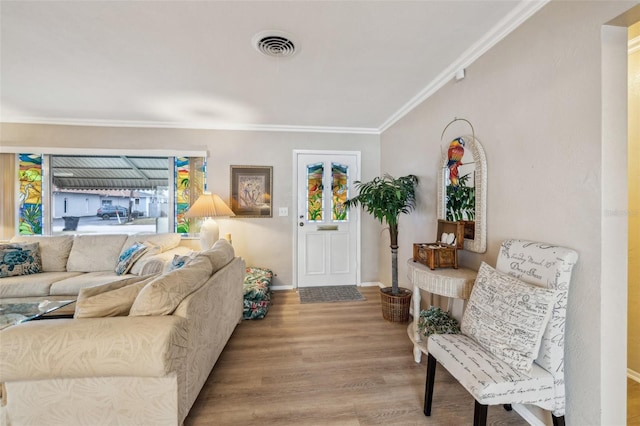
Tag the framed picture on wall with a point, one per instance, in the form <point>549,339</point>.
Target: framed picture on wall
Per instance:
<point>251,191</point>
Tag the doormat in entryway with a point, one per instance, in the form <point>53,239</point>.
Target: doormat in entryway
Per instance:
<point>328,294</point>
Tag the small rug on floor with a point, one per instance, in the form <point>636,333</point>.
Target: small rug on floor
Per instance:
<point>338,293</point>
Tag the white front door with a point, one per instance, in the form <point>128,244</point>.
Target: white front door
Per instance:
<point>327,233</point>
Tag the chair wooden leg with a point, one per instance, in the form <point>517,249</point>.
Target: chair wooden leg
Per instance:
<point>480,414</point>
<point>508,407</point>
<point>558,421</point>
<point>428,386</point>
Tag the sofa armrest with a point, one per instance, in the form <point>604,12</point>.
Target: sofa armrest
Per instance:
<point>93,347</point>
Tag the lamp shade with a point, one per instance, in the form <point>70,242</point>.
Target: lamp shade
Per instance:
<point>209,205</point>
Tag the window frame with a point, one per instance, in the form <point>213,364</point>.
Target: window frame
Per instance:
<point>46,194</point>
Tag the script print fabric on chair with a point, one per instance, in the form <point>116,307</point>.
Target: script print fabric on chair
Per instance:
<point>492,381</point>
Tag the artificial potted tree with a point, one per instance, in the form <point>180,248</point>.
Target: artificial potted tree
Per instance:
<point>386,198</point>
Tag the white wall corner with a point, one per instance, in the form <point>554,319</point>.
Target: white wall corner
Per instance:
<point>614,224</point>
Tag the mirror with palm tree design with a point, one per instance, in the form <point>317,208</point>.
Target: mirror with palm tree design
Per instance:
<point>462,183</point>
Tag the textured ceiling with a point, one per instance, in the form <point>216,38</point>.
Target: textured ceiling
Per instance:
<point>359,64</point>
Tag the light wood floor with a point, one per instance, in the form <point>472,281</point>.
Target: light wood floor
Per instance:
<point>328,364</point>
<point>633,403</point>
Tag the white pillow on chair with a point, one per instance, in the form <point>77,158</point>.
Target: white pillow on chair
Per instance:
<point>507,317</point>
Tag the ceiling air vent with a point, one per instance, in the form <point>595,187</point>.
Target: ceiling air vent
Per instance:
<point>276,44</point>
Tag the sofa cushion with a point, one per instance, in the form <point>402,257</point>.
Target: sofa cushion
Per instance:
<point>72,286</point>
<point>507,317</point>
<point>220,254</point>
<point>32,285</point>
<point>54,250</point>
<point>163,294</point>
<point>19,259</point>
<point>109,300</point>
<point>94,253</point>
<point>129,256</point>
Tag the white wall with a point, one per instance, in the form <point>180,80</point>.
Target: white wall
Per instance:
<point>261,242</point>
<point>535,101</point>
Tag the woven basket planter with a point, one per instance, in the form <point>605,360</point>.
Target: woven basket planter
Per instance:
<point>395,308</point>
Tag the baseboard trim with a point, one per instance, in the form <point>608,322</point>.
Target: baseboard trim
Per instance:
<point>364,284</point>
<point>633,375</point>
<point>281,287</point>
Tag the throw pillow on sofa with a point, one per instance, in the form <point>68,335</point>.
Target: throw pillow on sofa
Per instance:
<point>129,256</point>
<point>179,261</point>
<point>54,250</point>
<point>19,259</point>
<point>109,300</point>
<point>162,295</point>
<point>139,265</point>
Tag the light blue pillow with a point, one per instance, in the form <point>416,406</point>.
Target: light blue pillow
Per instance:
<point>179,261</point>
<point>129,257</point>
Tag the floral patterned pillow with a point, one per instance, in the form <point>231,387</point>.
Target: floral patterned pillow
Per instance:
<point>20,259</point>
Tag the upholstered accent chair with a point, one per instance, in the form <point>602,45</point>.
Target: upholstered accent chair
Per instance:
<point>511,350</point>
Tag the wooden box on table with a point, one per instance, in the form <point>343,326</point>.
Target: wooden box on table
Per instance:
<point>441,254</point>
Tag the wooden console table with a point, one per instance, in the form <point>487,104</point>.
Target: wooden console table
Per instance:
<point>448,282</point>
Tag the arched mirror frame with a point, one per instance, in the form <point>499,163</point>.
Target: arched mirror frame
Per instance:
<point>479,243</point>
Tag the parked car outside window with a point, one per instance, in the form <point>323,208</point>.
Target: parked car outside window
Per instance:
<point>107,212</point>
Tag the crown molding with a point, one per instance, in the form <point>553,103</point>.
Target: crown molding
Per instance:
<point>190,126</point>
<point>513,20</point>
<point>18,149</point>
<point>523,11</point>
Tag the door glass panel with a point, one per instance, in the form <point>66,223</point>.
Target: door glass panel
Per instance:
<point>340,193</point>
<point>315,202</point>
<point>30,180</point>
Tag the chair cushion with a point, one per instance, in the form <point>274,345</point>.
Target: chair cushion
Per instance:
<point>257,292</point>
<point>507,317</point>
<point>490,380</point>
<point>19,259</point>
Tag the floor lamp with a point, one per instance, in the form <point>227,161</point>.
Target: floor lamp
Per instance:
<point>209,205</point>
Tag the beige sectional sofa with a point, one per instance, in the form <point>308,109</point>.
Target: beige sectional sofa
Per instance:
<point>144,366</point>
<point>72,262</point>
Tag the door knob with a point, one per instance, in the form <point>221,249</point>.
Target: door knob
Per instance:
<point>301,223</point>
